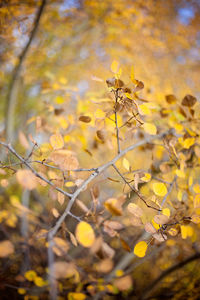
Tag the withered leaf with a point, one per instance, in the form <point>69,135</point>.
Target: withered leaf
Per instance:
<point>170,99</point>
<point>189,101</point>
<point>85,119</point>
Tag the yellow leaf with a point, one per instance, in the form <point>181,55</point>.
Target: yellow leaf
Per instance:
<point>146,177</point>
<point>56,141</point>
<point>187,143</point>
<point>197,201</point>
<point>150,128</point>
<point>166,212</point>
<point>157,226</point>
<point>119,273</point>
<point>144,109</point>
<point>186,231</point>
<point>180,195</point>
<point>180,173</point>
<point>159,189</point>
<point>85,234</point>
<point>76,296</point>
<point>21,291</point>
<point>39,281</point>
<point>140,249</point>
<point>114,66</point>
<point>30,275</point>
<point>126,164</point>
<point>133,75</point>
<point>59,100</point>
<point>113,206</point>
<point>196,188</point>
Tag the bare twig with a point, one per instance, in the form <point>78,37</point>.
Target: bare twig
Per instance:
<point>96,173</point>
<point>13,88</point>
<point>12,150</point>
<point>133,189</point>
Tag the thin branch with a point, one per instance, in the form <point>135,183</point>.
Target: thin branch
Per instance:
<point>168,272</point>
<point>116,122</point>
<point>13,88</point>
<point>134,190</point>
<point>10,148</point>
<point>98,171</point>
<point>57,168</point>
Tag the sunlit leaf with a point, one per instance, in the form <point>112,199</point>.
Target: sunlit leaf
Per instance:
<point>140,249</point>
<point>150,128</point>
<point>126,164</point>
<point>159,189</point>
<point>114,66</point>
<point>85,234</point>
<point>56,141</point>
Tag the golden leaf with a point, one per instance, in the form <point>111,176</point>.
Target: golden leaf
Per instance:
<point>159,189</point>
<point>85,234</point>
<point>150,128</point>
<point>56,141</point>
<point>65,159</point>
<point>140,249</point>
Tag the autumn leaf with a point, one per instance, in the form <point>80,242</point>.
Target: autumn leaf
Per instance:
<point>65,159</point>
<point>159,189</point>
<point>114,66</point>
<point>85,119</point>
<point>140,249</point>
<point>189,101</point>
<point>26,179</point>
<point>6,248</point>
<point>85,234</point>
<point>135,210</point>
<point>56,141</point>
<point>150,128</point>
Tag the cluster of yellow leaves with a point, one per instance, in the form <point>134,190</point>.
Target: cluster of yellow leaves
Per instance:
<point>31,275</point>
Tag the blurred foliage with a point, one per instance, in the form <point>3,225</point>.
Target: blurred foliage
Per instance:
<point>79,100</point>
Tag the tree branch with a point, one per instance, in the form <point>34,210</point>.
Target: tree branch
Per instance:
<point>97,171</point>
<point>168,272</point>
<point>134,190</point>
<point>13,88</point>
<point>10,148</point>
